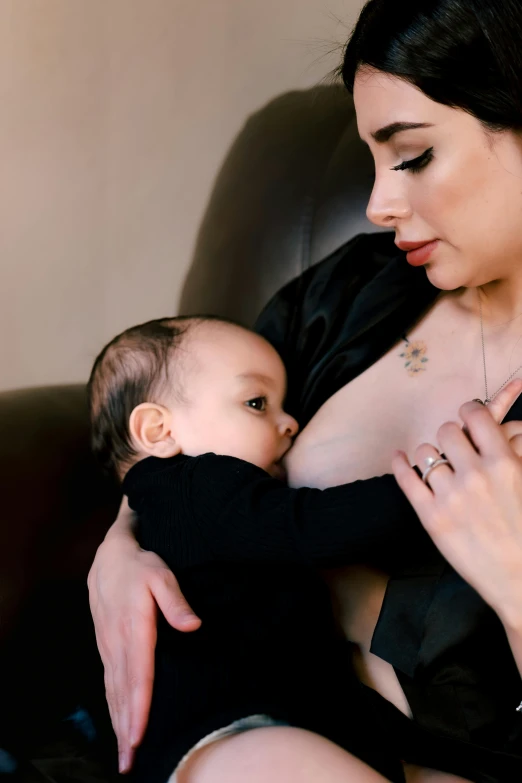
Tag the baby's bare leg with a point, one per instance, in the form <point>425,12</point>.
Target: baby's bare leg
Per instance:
<point>421,775</point>
<point>358,593</point>
<point>275,755</point>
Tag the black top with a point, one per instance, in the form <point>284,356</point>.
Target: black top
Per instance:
<point>448,647</point>
<point>246,549</point>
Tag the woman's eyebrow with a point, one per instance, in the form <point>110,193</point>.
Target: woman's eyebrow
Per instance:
<point>383,135</point>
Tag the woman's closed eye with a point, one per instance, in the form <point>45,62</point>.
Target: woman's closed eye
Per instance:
<point>416,164</point>
<point>257,404</point>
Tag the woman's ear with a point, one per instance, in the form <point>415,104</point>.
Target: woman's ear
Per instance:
<point>150,428</point>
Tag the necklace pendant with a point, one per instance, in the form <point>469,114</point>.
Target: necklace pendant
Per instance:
<point>481,402</point>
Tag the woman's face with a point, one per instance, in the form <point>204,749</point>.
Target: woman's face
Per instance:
<point>465,189</point>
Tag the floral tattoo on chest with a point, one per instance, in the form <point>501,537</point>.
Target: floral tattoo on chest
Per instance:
<point>414,355</point>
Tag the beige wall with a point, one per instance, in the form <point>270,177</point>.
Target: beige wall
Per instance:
<point>115,116</point>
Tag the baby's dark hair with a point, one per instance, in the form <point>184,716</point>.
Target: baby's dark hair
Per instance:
<point>135,367</point>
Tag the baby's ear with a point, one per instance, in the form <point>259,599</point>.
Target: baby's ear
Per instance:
<point>150,428</point>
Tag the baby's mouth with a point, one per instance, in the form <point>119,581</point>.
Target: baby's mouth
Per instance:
<point>278,471</point>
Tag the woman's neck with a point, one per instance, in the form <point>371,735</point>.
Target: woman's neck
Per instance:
<point>500,301</point>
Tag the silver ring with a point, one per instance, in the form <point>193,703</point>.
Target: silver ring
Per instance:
<point>432,463</point>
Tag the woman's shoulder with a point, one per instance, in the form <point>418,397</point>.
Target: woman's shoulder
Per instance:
<point>354,264</point>
<point>367,253</point>
<point>379,246</point>
<point>342,273</point>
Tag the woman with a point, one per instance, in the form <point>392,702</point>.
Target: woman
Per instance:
<point>381,351</point>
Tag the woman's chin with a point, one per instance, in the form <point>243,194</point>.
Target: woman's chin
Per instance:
<point>444,279</point>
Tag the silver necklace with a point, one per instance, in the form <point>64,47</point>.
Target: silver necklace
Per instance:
<point>487,399</point>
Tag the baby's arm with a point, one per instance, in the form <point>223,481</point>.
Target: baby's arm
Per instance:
<point>250,516</point>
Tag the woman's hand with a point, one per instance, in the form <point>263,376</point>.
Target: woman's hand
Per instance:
<point>513,432</point>
<point>126,585</point>
<point>472,508</point>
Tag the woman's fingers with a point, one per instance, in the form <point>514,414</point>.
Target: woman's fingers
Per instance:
<point>479,420</point>
<point>439,475</point>
<point>419,495</point>
<point>511,429</point>
<point>516,444</point>
<point>500,405</point>
<point>473,512</point>
<point>171,601</point>
<point>456,446</point>
<point>117,698</point>
<point>513,432</point>
<point>460,445</point>
<point>128,658</point>
<point>114,658</point>
<point>126,586</point>
<point>485,434</point>
<point>166,594</point>
<point>138,681</point>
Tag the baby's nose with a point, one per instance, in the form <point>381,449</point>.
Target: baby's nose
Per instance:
<point>289,426</point>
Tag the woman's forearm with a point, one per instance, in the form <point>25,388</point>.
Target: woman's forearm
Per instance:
<point>126,588</point>
<point>125,523</point>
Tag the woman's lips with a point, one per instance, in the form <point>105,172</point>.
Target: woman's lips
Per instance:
<point>417,256</point>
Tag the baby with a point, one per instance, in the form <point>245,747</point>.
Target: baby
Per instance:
<point>188,413</point>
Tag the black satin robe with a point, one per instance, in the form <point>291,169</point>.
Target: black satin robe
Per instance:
<point>447,646</point>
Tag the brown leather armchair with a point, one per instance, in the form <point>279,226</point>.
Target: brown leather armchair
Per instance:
<point>292,188</point>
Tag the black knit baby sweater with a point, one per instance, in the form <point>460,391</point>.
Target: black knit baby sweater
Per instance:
<point>246,550</point>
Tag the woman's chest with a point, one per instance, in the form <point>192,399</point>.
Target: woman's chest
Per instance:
<point>398,403</point>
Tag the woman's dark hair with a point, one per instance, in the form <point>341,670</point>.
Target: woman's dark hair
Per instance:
<point>466,54</point>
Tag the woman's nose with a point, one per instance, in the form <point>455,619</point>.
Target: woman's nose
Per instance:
<point>288,426</point>
<point>387,205</point>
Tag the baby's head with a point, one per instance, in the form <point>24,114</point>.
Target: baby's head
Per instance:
<point>189,385</point>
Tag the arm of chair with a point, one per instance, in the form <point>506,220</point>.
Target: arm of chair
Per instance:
<point>56,507</point>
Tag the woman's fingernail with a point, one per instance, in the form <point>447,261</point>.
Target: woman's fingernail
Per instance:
<point>188,617</point>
